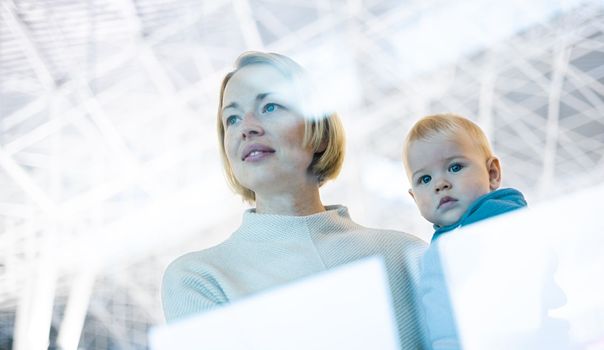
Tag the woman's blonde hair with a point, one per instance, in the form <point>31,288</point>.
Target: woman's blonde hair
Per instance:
<point>321,129</point>
<point>446,124</point>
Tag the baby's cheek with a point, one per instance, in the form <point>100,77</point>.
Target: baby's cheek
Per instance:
<point>425,208</point>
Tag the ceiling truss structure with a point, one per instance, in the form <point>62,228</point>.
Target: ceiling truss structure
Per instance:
<point>108,159</point>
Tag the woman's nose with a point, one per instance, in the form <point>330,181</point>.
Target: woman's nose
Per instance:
<point>251,126</point>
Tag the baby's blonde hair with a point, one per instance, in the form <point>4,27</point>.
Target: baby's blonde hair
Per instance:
<point>447,124</point>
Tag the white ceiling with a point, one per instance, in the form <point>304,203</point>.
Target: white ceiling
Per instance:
<point>108,157</point>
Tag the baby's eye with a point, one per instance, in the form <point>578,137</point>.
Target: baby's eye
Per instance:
<point>455,167</point>
<point>424,179</point>
<point>230,120</point>
<point>269,107</point>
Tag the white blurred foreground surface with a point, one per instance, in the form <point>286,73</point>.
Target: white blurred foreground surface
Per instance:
<point>531,279</point>
<point>328,311</point>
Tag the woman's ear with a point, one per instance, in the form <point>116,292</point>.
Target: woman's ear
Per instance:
<point>411,193</point>
<point>494,170</point>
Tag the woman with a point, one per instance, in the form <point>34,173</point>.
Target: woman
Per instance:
<point>278,148</point>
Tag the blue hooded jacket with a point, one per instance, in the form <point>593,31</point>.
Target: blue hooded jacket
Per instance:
<point>434,295</point>
<point>486,206</point>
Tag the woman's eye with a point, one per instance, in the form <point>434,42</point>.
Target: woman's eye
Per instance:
<point>424,179</point>
<point>269,108</point>
<point>455,167</point>
<point>230,120</point>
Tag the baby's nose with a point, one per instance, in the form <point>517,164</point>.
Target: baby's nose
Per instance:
<point>443,185</point>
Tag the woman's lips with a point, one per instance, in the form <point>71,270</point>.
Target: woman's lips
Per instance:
<point>256,152</point>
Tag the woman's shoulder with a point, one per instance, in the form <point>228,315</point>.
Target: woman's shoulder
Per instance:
<point>394,236</point>
<point>351,226</point>
<point>203,258</point>
<point>191,283</point>
<point>402,251</point>
<point>192,263</point>
<point>389,242</point>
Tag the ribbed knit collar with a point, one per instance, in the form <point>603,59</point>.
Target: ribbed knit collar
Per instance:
<point>270,226</point>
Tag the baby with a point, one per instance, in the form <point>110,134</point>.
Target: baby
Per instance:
<point>454,179</point>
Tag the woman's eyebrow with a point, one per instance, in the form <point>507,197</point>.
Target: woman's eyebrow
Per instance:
<point>259,97</point>
<point>231,105</point>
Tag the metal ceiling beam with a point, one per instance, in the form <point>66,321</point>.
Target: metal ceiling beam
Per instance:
<point>559,66</point>
<point>247,22</point>
<point>36,58</point>
<point>27,184</point>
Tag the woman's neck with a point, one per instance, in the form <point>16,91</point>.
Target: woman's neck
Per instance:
<point>294,204</point>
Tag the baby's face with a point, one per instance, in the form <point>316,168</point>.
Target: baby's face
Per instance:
<point>448,174</point>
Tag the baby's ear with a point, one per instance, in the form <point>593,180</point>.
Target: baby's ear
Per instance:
<point>494,170</point>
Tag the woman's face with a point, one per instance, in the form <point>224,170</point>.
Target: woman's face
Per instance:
<point>264,131</point>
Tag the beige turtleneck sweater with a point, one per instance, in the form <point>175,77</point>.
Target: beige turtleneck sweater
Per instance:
<point>271,250</point>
